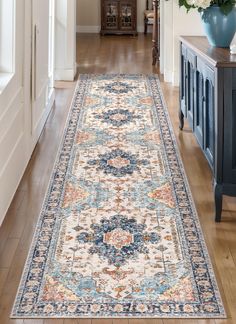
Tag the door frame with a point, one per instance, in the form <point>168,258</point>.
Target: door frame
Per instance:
<point>42,100</point>
<point>65,40</point>
<point>166,40</point>
<point>173,22</point>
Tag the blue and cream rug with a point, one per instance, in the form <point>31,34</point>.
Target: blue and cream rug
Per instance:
<point>118,234</point>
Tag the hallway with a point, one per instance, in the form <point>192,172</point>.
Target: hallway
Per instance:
<point>111,54</point>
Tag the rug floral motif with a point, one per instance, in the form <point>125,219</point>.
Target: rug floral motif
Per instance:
<point>118,235</point>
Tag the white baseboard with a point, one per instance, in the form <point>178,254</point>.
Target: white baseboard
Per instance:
<point>175,79</point>
<point>88,29</point>
<point>140,29</point>
<point>168,76</point>
<point>96,29</point>
<point>172,77</point>
<point>64,75</point>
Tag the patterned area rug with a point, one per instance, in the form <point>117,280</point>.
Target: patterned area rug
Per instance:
<point>118,235</point>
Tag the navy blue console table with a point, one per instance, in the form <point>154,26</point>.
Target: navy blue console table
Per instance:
<point>208,102</point>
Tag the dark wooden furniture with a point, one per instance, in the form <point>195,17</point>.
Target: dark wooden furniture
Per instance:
<point>119,17</point>
<point>156,32</point>
<point>208,101</point>
<point>148,15</point>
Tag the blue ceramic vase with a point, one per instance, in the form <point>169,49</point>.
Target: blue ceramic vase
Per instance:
<point>219,28</point>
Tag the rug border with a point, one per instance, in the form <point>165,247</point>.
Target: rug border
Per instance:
<point>150,77</point>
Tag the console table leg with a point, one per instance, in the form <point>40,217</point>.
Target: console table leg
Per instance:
<point>181,120</point>
<point>218,202</point>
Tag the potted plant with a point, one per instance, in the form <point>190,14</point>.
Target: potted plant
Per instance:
<point>218,18</point>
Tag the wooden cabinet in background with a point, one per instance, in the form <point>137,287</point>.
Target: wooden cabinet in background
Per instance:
<point>119,17</point>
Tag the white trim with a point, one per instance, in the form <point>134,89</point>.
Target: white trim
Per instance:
<point>167,51</point>
<point>64,74</point>
<point>88,29</point>
<point>168,74</point>
<point>175,78</point>
<point>140,29</point>
<point>65,40</point>
<point>175,21</point>
<point>162,21</point>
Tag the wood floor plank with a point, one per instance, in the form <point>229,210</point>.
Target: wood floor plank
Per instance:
<point>17,228</point>
<point>181,321</point>
<point>190,321</point>
<point>206,321</point>
<point>3,278</point>
<point>120,321</point>
<point>6,258</point>
<point>33,321</point>
<point>225,321</point>
<point>53,321</point>
<point>5,307</point>
<point>226,265</point>
<point>85,321</point>
<point>145,321</point>
<point>9,223</point>
<point>102,321</point>
<point>71,321</point>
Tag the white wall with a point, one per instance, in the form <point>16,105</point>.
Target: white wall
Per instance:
<point>175,22</point>
<point>17,100</point>
<point>89,16</point>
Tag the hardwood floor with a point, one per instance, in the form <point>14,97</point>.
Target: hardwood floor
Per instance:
<point>111,54</point>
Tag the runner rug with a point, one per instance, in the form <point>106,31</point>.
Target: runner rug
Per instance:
<point>118,234</point>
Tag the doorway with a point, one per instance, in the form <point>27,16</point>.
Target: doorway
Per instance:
<point>111,53</point>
